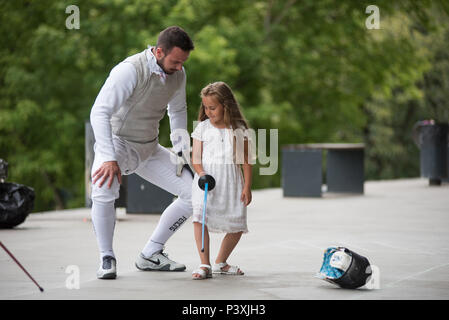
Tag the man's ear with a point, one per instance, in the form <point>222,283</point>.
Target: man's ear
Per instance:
<point>159,53</point>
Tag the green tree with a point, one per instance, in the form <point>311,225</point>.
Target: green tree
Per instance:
<point>310,69</point>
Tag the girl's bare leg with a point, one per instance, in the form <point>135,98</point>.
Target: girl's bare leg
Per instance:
<point>227,245</point>
<point>204,256</point>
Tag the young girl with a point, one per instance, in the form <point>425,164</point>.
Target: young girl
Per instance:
<point>215,150</point>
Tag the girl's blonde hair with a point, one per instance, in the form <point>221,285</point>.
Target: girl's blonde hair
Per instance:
<point>233,115</point>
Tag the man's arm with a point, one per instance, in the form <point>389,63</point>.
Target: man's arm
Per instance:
<point>118,87</point>
<point>177,112</point>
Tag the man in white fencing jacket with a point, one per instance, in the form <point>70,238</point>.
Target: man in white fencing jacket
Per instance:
<point>125,120</point>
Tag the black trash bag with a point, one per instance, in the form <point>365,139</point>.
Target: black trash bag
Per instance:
<point>16,202</point>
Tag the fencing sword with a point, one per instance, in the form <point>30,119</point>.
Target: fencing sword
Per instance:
<point>206,183</point>
<point>18,263</point>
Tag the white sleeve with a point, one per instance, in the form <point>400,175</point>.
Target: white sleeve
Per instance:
<point>177,112</point>
<point>117,88</point>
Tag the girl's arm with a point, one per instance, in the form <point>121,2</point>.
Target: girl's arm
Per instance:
<point>197,152</point>
<point>246,196</point>
<point>247,168</point>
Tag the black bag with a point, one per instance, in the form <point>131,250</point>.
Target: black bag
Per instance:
<point>344,268</point>
<point>357,274</point>
<point>16,202</point>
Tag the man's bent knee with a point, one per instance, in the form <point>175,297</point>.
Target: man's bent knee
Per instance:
<point>186,187</point>
<point>105,194</point>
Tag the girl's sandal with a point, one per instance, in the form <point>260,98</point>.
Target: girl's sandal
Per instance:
<point>233,270</point>
<point>203,273</point>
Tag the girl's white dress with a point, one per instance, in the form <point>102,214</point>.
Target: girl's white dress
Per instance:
<point>225,212</point>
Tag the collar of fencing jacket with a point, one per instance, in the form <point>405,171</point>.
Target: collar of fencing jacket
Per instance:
<point>153,66</point>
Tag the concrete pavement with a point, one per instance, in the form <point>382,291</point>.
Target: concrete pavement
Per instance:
<point>401,226</point>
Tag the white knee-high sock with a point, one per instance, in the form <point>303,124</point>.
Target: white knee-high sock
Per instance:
<point>171,220</point>
<point>103,219</point>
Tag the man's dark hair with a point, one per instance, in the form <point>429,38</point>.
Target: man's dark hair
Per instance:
<point>174,37</point>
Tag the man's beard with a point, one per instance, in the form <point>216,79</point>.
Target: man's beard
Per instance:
<point>160,62</point>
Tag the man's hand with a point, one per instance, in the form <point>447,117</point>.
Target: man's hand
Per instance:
<point>183,163</point>
<point>108,169</point>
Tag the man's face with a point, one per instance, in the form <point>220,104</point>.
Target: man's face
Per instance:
<point>173,61</point>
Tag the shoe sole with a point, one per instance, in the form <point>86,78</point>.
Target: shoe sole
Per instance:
<point>164,268</point>
<point>208,276</point>
<point>108,276</point>
<point>193,278</point>
<point>228,274</point>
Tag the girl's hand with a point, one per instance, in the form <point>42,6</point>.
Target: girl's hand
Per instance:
<point>246,196</point>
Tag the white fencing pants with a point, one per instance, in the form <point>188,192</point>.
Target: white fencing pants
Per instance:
<point>160,170</point>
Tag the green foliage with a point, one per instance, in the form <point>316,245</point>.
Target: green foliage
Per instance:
<point>310,69</point>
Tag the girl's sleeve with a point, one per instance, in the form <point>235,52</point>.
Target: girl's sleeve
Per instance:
<point>198,132</point>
